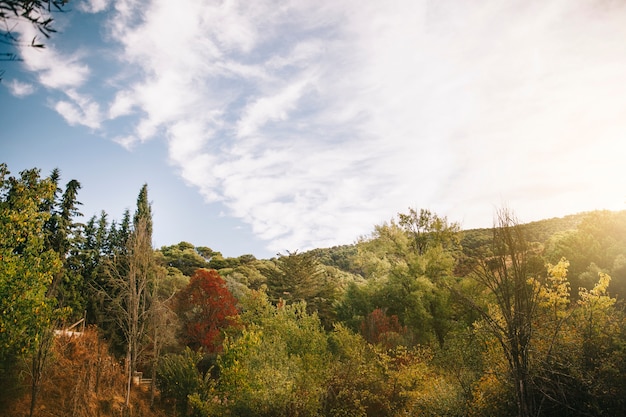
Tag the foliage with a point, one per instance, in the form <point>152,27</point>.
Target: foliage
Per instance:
<point>406,266</point>
<point>300,277</point>
<point>178,378</point>
<point>184,257</point>
<point>367,381</point>
<point>380,329</point>
<point>205,307</point>
<point>341,257</point>
<point>426,230</point>
<point>82,380</point>
<point>521,320</point>
<point>35,12</point>
<point>510,316</point>
<point>27,267</point>
<point>598,243</point>
<point>277,365</point>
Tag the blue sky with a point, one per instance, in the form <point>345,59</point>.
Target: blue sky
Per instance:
<point>268,126</point>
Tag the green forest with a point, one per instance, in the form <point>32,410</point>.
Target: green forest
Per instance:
<point>417,318</point>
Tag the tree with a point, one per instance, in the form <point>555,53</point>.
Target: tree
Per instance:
<point>206,307</point>
<point>62,236</point>
<point>509,318</point>
<point>178,377</point>
<point>27,271</point>
<point>426,230</point>
<point>59,235</point>
<point>143,212</point>
<point>379,328</point>
<point>407,264</point>
<point>185,257</point>
<point>277,366</point>
<point>300,277</point>
<point>26,266</point>
<point>130,284</point>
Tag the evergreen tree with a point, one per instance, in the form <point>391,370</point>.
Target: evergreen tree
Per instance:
<point>300,277</point>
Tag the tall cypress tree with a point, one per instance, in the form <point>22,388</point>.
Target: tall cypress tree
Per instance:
<point>135,286</point>
<point>144,211</point>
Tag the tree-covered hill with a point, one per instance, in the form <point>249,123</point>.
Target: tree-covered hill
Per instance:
<point>417,318</point>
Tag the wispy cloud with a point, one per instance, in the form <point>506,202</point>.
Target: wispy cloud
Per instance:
<point>312,121</point>
<point>79,110</point>
<point>93,6</point>
<point>55,70</point>
<point>20,89</point>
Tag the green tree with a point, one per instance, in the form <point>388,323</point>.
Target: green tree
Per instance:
<point>178,377</point>
<point>602,331</point>
<point>597,244</point>
<point>184,257</point>
<point>27,272</point>
<point>407,265</point>
<point>426,230</point>
<point>300,277</point>
<point>277,366</point>
<point>62,235</point>
<point>27,268</point>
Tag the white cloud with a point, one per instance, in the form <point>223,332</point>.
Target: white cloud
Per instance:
<point>122,105</point>
<point>313,121</point>
<point>55,70</point>
<point>20,89</point>
<point>127,142</point>
<point>270,108</point>
<point>93,6</point>
<point>80,110</point>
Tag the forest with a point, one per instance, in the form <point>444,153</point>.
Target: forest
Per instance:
<point>417,318</point>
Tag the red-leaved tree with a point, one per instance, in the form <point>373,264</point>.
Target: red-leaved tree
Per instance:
<point>378,328</point>
<point>205,307</point>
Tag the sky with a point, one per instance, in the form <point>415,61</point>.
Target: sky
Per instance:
<point>272,126</point>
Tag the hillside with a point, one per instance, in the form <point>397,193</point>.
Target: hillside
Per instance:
<point>420,318</point>
<point>473,240</point>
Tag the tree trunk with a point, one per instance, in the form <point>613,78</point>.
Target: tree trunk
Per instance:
<point>38,366</point>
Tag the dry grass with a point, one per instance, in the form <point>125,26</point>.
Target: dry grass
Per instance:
<point>82,380</point>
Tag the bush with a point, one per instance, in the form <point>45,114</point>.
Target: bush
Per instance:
<point>178,378</point>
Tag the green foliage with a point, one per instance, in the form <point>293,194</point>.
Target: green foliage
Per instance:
<point>433,342</point>
<point>356,386</point>
<point>27,267</point>
<point>340,257</point>
<point>249,274</point>
<point>367,381</point>
<point>406,266</point>
<point>427,230</point>
<point>597,244</point>
<point>277,365</point>
<point>184,257</point>
<point>300,277</point>
<point>178,378</point>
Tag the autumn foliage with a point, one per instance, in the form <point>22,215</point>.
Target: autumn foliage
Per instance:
<point>206,307</point>
<point>82,379</point>
<point>378,328</point>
